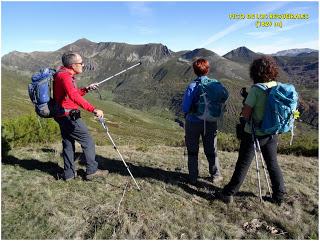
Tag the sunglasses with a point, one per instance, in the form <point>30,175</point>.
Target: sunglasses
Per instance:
<point>82,64</point>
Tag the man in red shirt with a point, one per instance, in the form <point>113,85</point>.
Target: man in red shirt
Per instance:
<point>69,97</point>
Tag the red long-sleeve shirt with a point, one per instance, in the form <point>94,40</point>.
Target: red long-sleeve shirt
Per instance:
<point>66,93</point>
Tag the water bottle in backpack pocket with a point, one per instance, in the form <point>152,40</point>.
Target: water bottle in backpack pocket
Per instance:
<point>40,93</point>
<point>280,108</point>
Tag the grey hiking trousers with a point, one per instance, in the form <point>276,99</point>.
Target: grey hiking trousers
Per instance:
<point>71,131</point>
<point>193,131</point>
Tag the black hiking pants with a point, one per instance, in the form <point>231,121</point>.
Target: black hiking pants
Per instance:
<point>193,131</point>
<point>71,131</point>
<point>268,146</point>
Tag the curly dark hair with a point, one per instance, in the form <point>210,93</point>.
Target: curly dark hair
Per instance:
<point>263,70</point>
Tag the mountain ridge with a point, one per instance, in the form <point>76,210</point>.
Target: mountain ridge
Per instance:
<point>82,41</point>
<point>294,52</point>
<point>164,74</point>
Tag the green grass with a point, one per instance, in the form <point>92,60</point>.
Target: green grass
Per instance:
<point>14,94</point>
<point>36,206</point>
<point>133,127</point>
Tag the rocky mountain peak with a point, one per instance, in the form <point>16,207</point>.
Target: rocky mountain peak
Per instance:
<point>83,41</point>
<point>79,45</point>
<point>242,55</point>
<point>197,53</point>
<point>240,52</point>
<point>157,49</point>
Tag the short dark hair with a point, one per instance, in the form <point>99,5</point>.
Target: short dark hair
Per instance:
<point>69,58</point>
<point>263,70</point>
<point>201,67</point>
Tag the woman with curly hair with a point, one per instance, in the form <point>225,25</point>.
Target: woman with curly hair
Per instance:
<point>262,70</point>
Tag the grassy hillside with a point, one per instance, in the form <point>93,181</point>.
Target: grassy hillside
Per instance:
<point>37,206</point>
<point>131,126</point>
<point>14,94</point>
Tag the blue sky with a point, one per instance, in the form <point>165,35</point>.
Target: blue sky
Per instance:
<point>48,26</point>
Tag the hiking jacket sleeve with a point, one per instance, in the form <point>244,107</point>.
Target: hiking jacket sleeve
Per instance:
<point>187,99</point>
<point>75,94</point>
<point>82,91</point>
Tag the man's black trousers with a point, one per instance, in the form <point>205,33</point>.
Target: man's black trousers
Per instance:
<point>71,131</point>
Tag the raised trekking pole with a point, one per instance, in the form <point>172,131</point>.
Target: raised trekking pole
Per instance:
<point>257,145</point>
<point>101,120</point>
<point>133,66</point>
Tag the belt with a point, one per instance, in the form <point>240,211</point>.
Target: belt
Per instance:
<point>73,113</point>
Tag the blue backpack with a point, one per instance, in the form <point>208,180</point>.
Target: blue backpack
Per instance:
<point>280,109</point>
<point>212,96</point>
<point>40,93</point>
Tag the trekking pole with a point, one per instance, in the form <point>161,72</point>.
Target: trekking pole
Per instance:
<point>257,161</point>
<point>262,159</point>
<point>101,120</point>
<point>99,83</point>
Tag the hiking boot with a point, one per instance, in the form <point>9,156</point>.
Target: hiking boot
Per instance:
<point>61,176</point>
<point>98,173</point>
<point>225,198</point>
<point>192,181</point>
<point>277,201</point>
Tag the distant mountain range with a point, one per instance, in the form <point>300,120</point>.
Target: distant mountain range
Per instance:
<point>295,52</point>
<point>299,66</point>
<point>164,74</point>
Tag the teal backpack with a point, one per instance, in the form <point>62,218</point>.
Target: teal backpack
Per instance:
<point>212,98</point>
<point>280,110</point>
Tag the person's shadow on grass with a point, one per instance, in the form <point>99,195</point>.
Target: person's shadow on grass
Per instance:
<point>49,167</point>
<point>176,178</point>
<point>202,189</point>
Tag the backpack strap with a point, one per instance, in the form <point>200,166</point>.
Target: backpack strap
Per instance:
<point>264,87</point>
<point>200,93</point>
<point>266,90</point>
<point>261,86</point>
<point>193,107</point>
